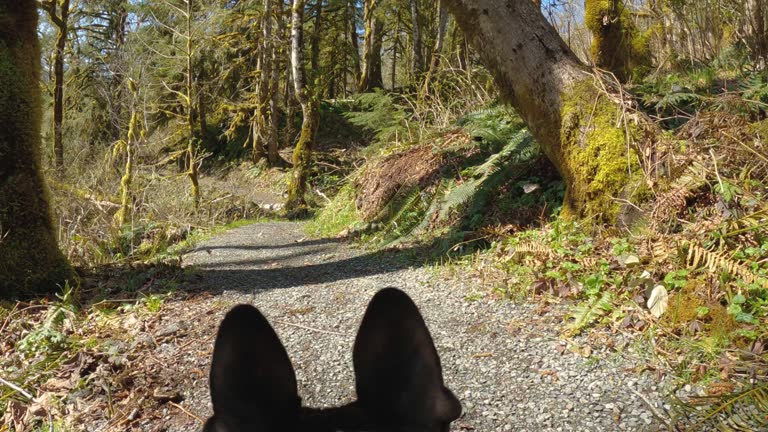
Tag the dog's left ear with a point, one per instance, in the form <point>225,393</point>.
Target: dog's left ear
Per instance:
<point>398,375</point>
<point>253,384</point>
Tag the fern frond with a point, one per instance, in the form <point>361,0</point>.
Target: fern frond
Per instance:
<point>586,313</point>
<point>537,250</point>
<point>458,196</point>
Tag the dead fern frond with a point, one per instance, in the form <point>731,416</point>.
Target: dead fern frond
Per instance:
<point>672,202</point>
<point>699,257</point>
<point>533,253</point>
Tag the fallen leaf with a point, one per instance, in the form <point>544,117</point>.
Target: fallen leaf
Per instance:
<point>658,301</point>
<point>628,260</point>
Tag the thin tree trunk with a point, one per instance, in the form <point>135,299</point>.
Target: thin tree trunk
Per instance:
<point>117,80</point>
<point>30,261</point>
<point>371,76</point>
<point>442,25</point>
<point>192,171</point>
<point>417,57</point>
<point>302,153</point>
<point>290,106</point>
<point>58,12</point>
<point>352,12</point>
<point>272,140</point>
<point>260,120</point>
<point>395,43</point>
<point>761,36</point>
<point>574,123</point>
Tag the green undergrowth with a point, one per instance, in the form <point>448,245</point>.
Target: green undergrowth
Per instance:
<point>490,173</point>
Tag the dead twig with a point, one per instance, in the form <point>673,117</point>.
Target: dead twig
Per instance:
<point>185,411</point>
<point>17,388</point>
<point>310,328</point>
<point>653,409</point>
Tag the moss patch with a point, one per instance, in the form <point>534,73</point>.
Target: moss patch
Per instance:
<point>597,161</point>
<point>617,45</point>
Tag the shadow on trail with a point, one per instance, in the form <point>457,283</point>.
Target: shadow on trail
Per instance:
<point>220,276</point>
<point>315,242</point>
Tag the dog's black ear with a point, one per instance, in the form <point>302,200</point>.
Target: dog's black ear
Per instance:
<point>253,384</point>
<point>397,370</point>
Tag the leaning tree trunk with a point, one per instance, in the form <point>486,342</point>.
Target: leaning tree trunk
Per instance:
<point>30,261</point>
<point>579,127</point>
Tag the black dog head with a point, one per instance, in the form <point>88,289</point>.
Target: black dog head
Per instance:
<point>398,376</point>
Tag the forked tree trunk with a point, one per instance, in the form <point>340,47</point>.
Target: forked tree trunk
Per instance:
<point>30,261</point>
<point>574,122</point>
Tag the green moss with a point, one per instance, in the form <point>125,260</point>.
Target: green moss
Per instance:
<point>617,45</point>
<point>596,160</point>
<point>302,157</point>
<point>30,261</point>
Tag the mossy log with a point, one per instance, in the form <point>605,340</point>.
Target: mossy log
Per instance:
<point>30,261</point>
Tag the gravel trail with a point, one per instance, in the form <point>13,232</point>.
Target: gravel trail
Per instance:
<point>506,362</point>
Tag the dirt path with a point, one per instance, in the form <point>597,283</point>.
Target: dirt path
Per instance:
<point>506,362</point>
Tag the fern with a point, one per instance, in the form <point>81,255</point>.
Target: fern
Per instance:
<point>680,100</point>
<point>489,175</point>
<point>698,257</point>
<point>409,204</point>
<point>586,313</point>
<point>742,411</point>
<point>379,113</point>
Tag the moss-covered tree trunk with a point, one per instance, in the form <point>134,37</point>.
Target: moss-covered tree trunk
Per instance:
<point>617,45</point>
<point>578,126</point>
<point>302,153</point>
<point>30,260</point>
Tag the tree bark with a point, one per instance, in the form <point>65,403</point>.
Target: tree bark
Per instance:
<point>260,121</point>
<point>442,25</point>
<point>371,76</point>
<point>193,169</point>
<point>302,153</point>
<point>352,23</point>
<point>395,43</point>
<point>573,121</point>
<point>417,56</point>
<point>272,140</point>
<point>58,12</point>
<point>30,261</point>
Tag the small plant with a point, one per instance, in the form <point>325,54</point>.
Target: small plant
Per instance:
<point>49,338</point>
<point>153,302</point>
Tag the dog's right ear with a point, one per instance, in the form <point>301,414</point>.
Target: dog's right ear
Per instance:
<point>253,384</point>
<point>398,374</point>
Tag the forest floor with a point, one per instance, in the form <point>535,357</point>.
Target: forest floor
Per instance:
<point>507,362</point>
